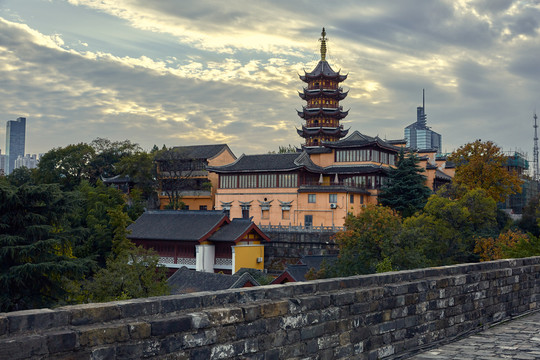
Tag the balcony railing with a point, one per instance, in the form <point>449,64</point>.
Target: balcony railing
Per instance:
<point>301,228</point>
<point>350,184</point>
<point>168,261</point>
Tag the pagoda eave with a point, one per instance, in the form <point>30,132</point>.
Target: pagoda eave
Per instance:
<point>310,132</point>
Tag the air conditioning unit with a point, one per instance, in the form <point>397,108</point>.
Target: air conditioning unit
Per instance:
<point>259,260</point>
<point>333,206</point>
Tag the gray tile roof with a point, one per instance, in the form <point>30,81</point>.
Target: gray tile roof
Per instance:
<point>355,169</point>
<point>268,162</point>
<point>185,281</point>
<point>322,69</point>
<point>298,271</point>
<point>356,139</point>
<point>200,151</point>
<point>235,230</point>
<point>176,225</point>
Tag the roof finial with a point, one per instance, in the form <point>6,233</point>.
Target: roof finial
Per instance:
<point>323,45</point>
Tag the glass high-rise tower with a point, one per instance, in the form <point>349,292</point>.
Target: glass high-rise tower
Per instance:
<point>15,141</point>
<point>419,136</point>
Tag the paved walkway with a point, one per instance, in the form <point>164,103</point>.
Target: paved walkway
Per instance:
<point>516,339</point>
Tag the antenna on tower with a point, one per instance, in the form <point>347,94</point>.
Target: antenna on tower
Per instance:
<point>536,174</point>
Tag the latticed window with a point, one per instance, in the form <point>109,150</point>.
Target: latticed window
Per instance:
<point>227,181</point>
<point>288,180</point>
<point>267,180</point>
<point>247,181</point>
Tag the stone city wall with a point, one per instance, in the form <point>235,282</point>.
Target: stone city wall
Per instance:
<point>287,247</point>
<point>362,317</point>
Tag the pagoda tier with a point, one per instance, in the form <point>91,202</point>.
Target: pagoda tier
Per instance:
<point>336,94</point>
<point>322,71</point>
<point>309,113</point>
<point>323,93</point>
<point>322,132</point>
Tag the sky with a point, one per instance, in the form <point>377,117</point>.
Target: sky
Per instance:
<point>179,72</point>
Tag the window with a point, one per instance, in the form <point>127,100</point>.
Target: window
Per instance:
<point>247,181</point>
<point>351,200</point>
<point>308,220</point>
<point>288,180</point>
<point>285,214</point>
<point>227,212</point>
<point>312,198</point>
<point>332,198</point>
<point>266,214</point>
<point>227,181</point>
<point>361,199</point>
<point>202,207</point>
<point>267,180</point>
<point>245,213</point>
<point>185,207</point>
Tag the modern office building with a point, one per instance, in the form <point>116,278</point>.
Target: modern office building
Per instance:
<point>3,160</point>
<point>15,141</point>
<point>419,136</point>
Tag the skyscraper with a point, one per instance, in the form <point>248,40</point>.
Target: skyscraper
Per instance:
<point>15,138</point>
<point>419,136</point>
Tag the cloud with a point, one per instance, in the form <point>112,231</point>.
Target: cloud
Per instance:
<point>212,71</point>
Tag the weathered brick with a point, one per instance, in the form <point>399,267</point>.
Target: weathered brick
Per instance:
<point>99,335</point>
<point>225,316</point>
<point>171,325</point>
<point>63,340</point>
<point>93,313</point>
<point>23,347</point>
<point>37,319</point>
<point>139,330</point>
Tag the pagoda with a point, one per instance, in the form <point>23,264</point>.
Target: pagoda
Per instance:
<point>323,93</point>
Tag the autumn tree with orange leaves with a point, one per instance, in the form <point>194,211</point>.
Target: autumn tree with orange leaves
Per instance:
<point>482,165</point>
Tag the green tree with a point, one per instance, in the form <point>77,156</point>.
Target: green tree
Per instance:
<point>135,273</point>
<point>406,191</point>
<point>369,239</point>
<point>446,229</point>
<point>130,272</point>
<point>36,258</point>
<point>21,176</point>
<point>141,169</point>
<point>482,165</point>
<point>529,218</point>
<point>108,154</point>
<point>94,217</point>
<point>66,166</point>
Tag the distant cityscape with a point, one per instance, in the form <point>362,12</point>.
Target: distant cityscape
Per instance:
<point>15,157</point>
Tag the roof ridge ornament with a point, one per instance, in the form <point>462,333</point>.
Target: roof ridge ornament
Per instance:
<point>323,44</point>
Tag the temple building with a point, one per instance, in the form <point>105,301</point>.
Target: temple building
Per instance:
<point>322,113</point>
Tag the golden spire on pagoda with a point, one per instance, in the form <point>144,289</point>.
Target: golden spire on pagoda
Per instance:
<point>323,45</point>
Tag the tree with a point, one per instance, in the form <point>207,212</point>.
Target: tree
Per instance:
<point>529,218</point>
<point>94,217</point>
<point>66,166</point>
<point>108,154</point>
<point>508,244</point>
<point>369,239</point>
<point>405,191</point>
<point>141,169</point>
<point>131,272</point>
<point>482,165</point>
<point>35,249</point>
<point>179,172</point>
<point>446,229</point>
